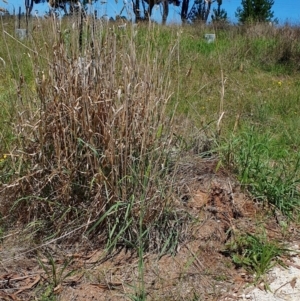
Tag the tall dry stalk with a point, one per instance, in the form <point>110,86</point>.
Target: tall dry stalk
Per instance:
<point>95,140</point>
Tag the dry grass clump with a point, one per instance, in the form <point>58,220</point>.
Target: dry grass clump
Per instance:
<point>273,45</point>
<point>94,144</point>
<point>289,46</point>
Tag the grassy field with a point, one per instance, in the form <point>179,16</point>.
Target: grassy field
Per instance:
<point>95,120</point>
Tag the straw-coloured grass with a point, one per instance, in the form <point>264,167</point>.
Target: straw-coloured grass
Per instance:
<point>94,143</point>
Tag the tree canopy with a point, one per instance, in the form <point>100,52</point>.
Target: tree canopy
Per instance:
<point>57,4</point>
<point>191,10</point>
<point>255,11</point>
<point>201,10</point>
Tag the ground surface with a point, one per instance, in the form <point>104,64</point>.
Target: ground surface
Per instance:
<point>199,271</point>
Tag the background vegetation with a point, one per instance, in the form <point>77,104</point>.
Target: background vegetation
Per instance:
<point>95,117</point>
<point>242,92</point>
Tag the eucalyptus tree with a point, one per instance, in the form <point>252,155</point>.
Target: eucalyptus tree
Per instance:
<point>60,4</point>
<point>150,4</point>
<point>184,10</point>
<point>200,11</point>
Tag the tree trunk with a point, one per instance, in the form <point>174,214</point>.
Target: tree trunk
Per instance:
<point>184,10</point>
<point>30,7</point>
<point>165,4</point>
<point>207,11</point>
<point>136,10</point>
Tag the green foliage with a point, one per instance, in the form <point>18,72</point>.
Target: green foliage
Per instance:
<point>55,276</point>
<point>255,253</point>
<point>200,11</point>
<point>219,14</point>
<point>47,295</point>
<point>255,11</point>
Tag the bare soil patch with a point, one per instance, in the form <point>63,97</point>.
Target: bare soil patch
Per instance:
<point>200,270</point>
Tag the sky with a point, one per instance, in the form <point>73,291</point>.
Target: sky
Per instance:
<point>284,10</point>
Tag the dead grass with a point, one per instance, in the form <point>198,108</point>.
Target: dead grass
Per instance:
<point>94,141</point>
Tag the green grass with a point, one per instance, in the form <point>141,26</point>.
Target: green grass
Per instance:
<point>265,168</point>
<point>55,275</point>
<point>256,254</point>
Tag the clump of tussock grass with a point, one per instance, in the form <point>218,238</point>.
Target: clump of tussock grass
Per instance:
<point>94,143</point>
<point>274,48</point>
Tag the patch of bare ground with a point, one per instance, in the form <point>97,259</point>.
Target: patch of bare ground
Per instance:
<point>220,210</point>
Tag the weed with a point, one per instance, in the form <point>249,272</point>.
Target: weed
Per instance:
<point>195,297</point>
<point>251,156</point>
<point>55,275</point>
<point>48,295</point>
<point>221,278</point>
<point>284,226</point>
<point>255,253</point>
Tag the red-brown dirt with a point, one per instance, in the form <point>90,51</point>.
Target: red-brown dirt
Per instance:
<point>199,270</point>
